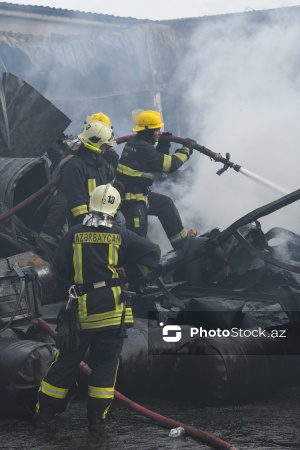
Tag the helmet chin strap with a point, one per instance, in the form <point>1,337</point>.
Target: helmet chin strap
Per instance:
<point>98,219</point>
<point>91,147</point>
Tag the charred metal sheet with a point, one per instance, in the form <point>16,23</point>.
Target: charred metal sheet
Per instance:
<point>289,297</point>
<point>29,123</point>
<point>246,296</point>
<point>19,178</point>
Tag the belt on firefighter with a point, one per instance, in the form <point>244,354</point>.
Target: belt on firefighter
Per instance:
<point>77,290</point>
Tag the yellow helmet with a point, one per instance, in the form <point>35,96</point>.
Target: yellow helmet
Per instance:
<point>95,134</point>
<point>100,116</point>
<point>147,120</point>
<point>105,199</point>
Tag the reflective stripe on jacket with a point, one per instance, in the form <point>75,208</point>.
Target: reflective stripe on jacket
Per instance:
<point>140,161</point>
<point>81,175</point>
<point>89,254</point>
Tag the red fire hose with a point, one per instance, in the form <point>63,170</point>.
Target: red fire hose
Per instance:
<point>208,438</point>
<point>200,148</point>
<point>30,199</point>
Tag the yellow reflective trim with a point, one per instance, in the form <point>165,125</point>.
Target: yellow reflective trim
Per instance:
<point>167,163</point>
<point>178,237</point>
<point>187,150</point>
<point>78,210</point>
<point>77,263</point>
<point>115,314</point>
<point>101,392</point>
<point>125,170</point>
<point>143,269</point>
<point>136,222</point>
<point>116,290</point>
<point>182,156</point>
<point>82,307</point>
<point>91,185</point>
<point>128,315</point>
<point>78,278</point>
<point>53,391</point>
<point>101,324</point>
<point>137,197</point>
<point>105,412</point>
<point>113,258</point>
<point>106,323</point>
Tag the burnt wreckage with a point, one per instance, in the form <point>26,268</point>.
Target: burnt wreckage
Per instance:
<point>223,280</point>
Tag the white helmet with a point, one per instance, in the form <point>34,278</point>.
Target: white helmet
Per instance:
<point>105,199</point>
<point>95,134</point>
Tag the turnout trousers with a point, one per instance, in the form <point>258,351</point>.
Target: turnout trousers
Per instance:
<point>104,353</point>
<point>136,215</point>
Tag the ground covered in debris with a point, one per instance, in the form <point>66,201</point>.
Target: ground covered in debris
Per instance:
<point>271,424</point>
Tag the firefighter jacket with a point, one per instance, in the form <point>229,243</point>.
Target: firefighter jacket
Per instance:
<point>83,172</point>
<point>88,256</point>
<point>139,163</point>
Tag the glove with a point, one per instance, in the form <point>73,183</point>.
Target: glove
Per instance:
<point>68,328</point>
<point>190,144</point>
<point>164,145</point>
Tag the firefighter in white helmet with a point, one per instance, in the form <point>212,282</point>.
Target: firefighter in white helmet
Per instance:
<point>87,169</point>
<point>139,163</point>
<point>110,155</point>
<point>86,259</point>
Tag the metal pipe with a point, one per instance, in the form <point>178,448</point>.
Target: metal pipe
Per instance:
<point>30,199</point>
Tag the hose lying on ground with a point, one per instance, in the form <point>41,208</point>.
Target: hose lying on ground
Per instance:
<point>208,438</point>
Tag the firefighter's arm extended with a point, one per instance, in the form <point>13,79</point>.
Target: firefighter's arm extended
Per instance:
<point>159,162</point>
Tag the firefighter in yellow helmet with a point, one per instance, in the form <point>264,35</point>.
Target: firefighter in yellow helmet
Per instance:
<point>139,162</point>
<point>100,117</point>
<point>86,259</point>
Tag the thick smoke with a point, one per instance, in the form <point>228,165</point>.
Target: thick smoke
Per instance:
<point>242,94</point>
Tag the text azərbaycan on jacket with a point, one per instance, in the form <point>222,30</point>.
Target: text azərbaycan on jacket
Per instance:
<point>91,255</point>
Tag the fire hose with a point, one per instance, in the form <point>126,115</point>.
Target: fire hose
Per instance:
<point>224,235</point>
<point>200,148</point>
<point>208,438</point>
<point>215,156</point>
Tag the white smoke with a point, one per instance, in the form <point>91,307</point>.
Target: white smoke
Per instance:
<point>242,78</point>
<point>242,88</point>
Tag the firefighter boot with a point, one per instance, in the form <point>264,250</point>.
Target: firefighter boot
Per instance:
<point>42,420</point>
<point>97,426</point>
